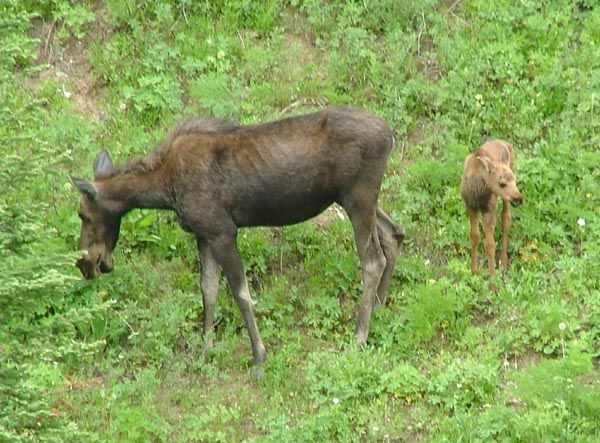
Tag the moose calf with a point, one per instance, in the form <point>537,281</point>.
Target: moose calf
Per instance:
<point>487,175</point>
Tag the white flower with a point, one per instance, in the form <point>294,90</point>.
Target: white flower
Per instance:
<point>581,222</point>
<point>335,400</point>
<point>221,55</point>
<point>375,428</point>
<point>122,106</point>
<point>562,326</point>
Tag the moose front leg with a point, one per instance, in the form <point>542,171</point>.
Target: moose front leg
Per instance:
<point>225,252</point>
<point>489,225</point>
<point>506,222</point>
<point>209,282</point>
<point>475,237</point>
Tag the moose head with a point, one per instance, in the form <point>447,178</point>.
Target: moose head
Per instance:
<point>500,178</point>
<point>100,220</point>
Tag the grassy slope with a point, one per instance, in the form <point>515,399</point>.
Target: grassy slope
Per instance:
<point>447,359</point>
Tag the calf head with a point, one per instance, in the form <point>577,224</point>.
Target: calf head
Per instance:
<point>100,221</point>
<point>500,179</point>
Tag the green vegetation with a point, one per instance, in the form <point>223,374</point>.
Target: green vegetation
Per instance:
<point>120,359</point>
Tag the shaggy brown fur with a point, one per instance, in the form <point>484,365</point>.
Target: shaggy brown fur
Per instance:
<point>219,177</point>
<point>488,175</point>
<point>148,163</point>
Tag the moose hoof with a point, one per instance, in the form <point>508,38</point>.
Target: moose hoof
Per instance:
<point>260,355</point>
<point>361,339</point>
<point>208,343</point>
<point>257,372</point>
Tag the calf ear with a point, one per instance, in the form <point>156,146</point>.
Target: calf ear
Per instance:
<point>506,153</point>
<point>486,162</point>
<point>85,187</point>
<point>102,166</point>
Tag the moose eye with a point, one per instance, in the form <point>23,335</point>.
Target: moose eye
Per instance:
<point>503,185</point>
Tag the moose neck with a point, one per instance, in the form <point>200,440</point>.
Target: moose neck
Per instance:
<point>133,190</point>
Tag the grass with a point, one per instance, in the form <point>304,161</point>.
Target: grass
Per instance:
<point>120,358</point>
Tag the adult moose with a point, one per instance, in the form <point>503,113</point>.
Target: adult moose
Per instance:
<point>219,177</point>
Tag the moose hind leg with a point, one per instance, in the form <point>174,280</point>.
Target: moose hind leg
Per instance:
<point>210,273</point>
<point>225,252</point>
<point>372,259</point>
<point>391,237</point>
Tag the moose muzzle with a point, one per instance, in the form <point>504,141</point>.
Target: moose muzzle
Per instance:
<point>92,266</point>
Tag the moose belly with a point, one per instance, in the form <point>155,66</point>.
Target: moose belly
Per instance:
<point>280,207</point>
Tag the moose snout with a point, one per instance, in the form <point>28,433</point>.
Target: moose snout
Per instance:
<point>88,268</point>
<point>516,201</point>
<point>106,265</point>
<point>92,265</point>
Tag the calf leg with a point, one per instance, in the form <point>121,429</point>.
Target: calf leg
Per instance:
<point>390,239</point>
<point>506,222</point>
<point>225,252</point>
<point>489,225</point>
<point>210,285</point>
<point>372,260</point>
<point>475,236</point>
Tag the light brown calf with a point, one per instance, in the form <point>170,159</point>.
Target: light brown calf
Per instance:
<point>488,174</point>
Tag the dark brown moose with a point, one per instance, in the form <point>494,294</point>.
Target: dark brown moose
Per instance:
<point>219,177</point>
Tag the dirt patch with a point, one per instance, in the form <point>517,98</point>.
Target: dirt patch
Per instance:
<point>68,64</point>
<point>328,216</point>
<point>528,359</point>
<point>62,404</point>
<point>234,392</point>
<point>301,50</point>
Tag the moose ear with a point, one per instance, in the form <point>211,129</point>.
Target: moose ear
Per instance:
<point>85,187</point>
<point>102,166</point>
<point>506,153</point>
<point>487,164</point>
